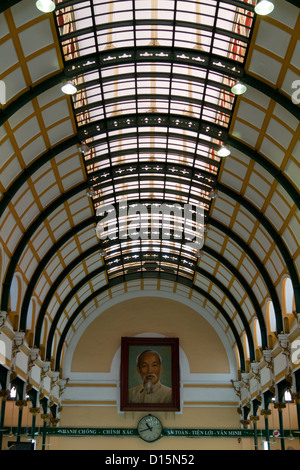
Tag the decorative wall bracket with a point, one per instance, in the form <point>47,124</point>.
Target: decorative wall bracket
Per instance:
<point>3,316</point>
<point>18,342</point>
<point>255,367</point>
<point>285,346</point>
<point>245,383</point>
<point>44,372</point>
<point>32,360</point>
<point>269,359</point>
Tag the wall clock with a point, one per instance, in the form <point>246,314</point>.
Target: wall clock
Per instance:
<point>149,428</point>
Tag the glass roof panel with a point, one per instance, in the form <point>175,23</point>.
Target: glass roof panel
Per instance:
<point>153,106</point>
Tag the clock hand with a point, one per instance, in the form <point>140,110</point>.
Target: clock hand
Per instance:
<point>149,427</point>
<point>146,429</point>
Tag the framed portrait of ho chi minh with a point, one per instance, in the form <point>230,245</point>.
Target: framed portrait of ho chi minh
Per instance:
<point>149,374</point>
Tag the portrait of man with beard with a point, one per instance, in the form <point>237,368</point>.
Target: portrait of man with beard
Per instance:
<point>151,390</point>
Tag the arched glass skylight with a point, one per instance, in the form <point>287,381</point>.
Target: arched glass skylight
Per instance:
<point>154,104</point>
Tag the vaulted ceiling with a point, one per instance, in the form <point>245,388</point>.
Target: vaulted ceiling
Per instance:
<point>153,106</point>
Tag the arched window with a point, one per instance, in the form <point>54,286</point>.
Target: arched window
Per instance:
<point>29,315</point>
<point>271,324</point>
<point>288,296</point>
<point>271,318</point>
<point>257,334</point>
<point>14,293</point>
<point>288,396</point>
<point>246,347</point>
<point>238,360</point>
<point>13,393</point>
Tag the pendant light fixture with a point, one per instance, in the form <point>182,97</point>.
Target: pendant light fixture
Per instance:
<point>223,151</point>
<point>46,6</point>
<point>238,89</point>
<point>69,89</point>
<point>264,7</point>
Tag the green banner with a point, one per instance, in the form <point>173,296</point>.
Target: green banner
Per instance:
<point>166,432</point>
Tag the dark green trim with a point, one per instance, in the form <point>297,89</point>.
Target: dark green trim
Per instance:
<point>64,304</point>
<point>71,294</point>
<point>32,168</point>
<point>5,4</point>
<point>273,234</point>
<point>252,255</point>
<point>212,222</point>
<point>22,244</point>
<point>245,286</point>
<point>30,94</point>
<point>9,3</point>
<point>26,237</point>
<point>77,66</point>
<point>292,191</point>
<point>36,275</point>
<point>54,287</point>
<point>50,253</point>
<point>236,305</point>
<point>161,276</point>
<point>272,93</point>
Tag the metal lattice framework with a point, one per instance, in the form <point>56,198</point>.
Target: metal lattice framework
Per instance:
<point>152,108</point>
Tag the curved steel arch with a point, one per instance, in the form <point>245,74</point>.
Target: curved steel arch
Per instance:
<point>76,67</point>
<point>39,324</point>
<point>32,168</point>
<point>210,251</point>
<point>213,222</point>
<point>7,282</point>
<point>252,255</point>
<point>43,263</point>
<point>100,270</point>
<point>74,140</point>
<point>163,276</point>
<point>267,165</point>
<point>245,286</point>
<point>232,235</point>
<point>9,3</point>
<point>26,237</point>
<point>94,249</point>
<point>69,234</point>
<point>272,232</point>
<point>18,251</point>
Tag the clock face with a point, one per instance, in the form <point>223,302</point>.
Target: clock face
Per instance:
<point>149,428</point>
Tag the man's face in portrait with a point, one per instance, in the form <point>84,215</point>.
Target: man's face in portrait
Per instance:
<point>149,367</point>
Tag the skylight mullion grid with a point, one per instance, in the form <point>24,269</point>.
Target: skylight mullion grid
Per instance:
<point>171,78</point>
<point>213,107</point>
<point>201,114</point>
<point>217,37</point>
<point>173,150</point>
<point>201,25</point>
<point>151,250</point>
<point>135,83</point>
<point>101,86</point>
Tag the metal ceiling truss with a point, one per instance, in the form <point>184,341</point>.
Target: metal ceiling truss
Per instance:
<point>135,125</point>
